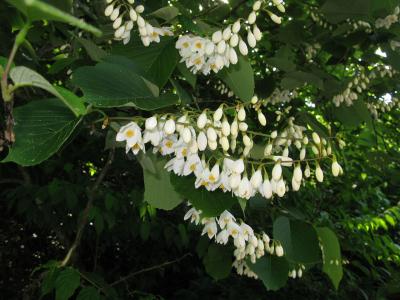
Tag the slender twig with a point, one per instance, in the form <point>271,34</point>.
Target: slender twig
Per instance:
<point>160,266</point>
<point>85,215</point>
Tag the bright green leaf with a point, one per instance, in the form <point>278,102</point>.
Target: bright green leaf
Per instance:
<point>331,254</point>
<point>37,10</point>
<point>272,270</point>
<point>159,191</point>
<point>23,76</point>
<point>240,79</point>
<point>166,13</point>
<point>299,240</point>
<point>103,87</point>
<point>41,128</point>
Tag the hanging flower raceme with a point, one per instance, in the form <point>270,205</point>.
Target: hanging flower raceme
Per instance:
<point>206,55</point>
<point>217,149</point>
<point>125,15</point>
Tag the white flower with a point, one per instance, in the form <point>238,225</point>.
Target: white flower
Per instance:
<point>192,165</point>
<point>222,237</point>
<point>131,133</point>
<point>256,179</point>
<point>194,216</point>
<point>167,145</point>
<point>279,250</point>
<point>234,229</point>
<point>245,190</point>
<point>224,184</point>
<point>277,171</point>
<point>281,188</point>
<point>247,231</point>
<point>266,189</point>
<point>210,228</point>
<point>225,218</point>
<point>176,165</point>
<point>234,181</point>
<point>154,136</point>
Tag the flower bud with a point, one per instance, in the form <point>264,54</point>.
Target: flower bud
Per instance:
<point>210,48</point>
<point>281,188</point>
<point>140,9</point>
<point>243,48</point>
<point>186,135</point>
<point>243,126</point>
<point>297,173</point>
<point>257,33</point>
<point>316,138</point>
<point>252,18</point>
<point>241,114</point>
<point>279,250</point>
<point>221,47</point>
<point>226,128</point>
<point>217,37</point>
<point>261,118</point>
<point>202,120</point>
<point>336,168</point>
<point>268,150</point>
<point>224,143</point>
<point>246,140</point>
<point>236,27</point>
<point>109,10</point>
<point>276,19</point>
<point>257,5</point>
<point>256,179</point>
<point>117,23</point>
<point>202,141</point>
<point>307,171</point>
<point>254,99</point>
<point>234,41</point>
<point>218,114</point>
<point>233,58</point>
<point>251,40</point>
<point>226,34</point>
<point>151,123</point>
<point>277,171</point>
<point>211,134</point>
<point>302,153</point>
<point>169,127</point>
<point>319,174</point>
<point>115,14</point>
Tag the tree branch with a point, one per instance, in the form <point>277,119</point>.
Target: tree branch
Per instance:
<point>160,266</point>
<point>85,215</point>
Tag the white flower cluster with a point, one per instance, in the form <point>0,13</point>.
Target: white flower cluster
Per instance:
<point>248,244</point>
<point>312,51</point>
<point>124,16</point>
<point>280,96</point>
<point>383,107</point>
<point>189,136</point>
<point>360,83</point>
<point>221,50</point>
<point>358,25</point>
<point>389,20</point>
<point>221,88</point>
<point>318,18</point>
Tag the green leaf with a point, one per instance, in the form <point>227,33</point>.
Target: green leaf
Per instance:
<point>189,76</point>
<point>94,51</point>
<point>331,255</point>
<point>166,13</point>
<point>211,204</point>
<point>37,10</point>
<point>157,61</point>
<point>299,240</point>
<point>49,281</point>
<point>218,261</point>
<point>296,79</point>
<point>184,96</point>
<point>66,284</point>
<point>41,128</point>
<point>114,85</point>
<point>158,190</point>
<point>88,293</point>
<point>339,10</point>
<point>272,270</point>
<point>23,76</point>
<point>354,115</point>
<point>240,79</point>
